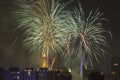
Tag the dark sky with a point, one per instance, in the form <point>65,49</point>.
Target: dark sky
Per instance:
<point>14,54</point>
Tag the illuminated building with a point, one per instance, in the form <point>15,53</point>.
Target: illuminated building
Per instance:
<point>44,63</point>
<point>115,69</point>
<point>63,73</point>
<point>14,73</point>
<point>42,73</point>
<point>28,74</point>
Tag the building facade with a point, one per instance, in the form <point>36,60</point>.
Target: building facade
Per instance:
<point>115,69</point>
<point>29,74</point>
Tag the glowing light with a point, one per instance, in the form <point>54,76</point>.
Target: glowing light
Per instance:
<point>69,70</point>
<point>81,67</point>
<point>115,64</point>
<point>44,64</point>
<point>44,55</point>
<point>113,72</point>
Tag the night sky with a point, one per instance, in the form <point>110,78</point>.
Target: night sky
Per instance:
<point>15,55</point>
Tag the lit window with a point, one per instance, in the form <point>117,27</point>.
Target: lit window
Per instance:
<point>115,64</point>
<point>113,72</point>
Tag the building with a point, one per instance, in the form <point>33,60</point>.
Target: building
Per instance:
<point>2,74</point>
<point>95,75</point>
<point>13,74</point>
<point>92,73</point>
<point>58,74</point>
<point>115,69</point>
<point>42,73</point>
<point>28,74</point>
<point>63,73</point>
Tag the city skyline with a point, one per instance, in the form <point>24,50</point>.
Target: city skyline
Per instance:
<point>9,50</point>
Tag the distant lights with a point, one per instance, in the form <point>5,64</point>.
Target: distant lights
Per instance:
<point>113,72</point>
<point>115,64</point>
<point>44,55</point>
<point>69,70</point>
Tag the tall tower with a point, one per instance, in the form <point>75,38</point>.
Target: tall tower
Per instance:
<point>44,63</point>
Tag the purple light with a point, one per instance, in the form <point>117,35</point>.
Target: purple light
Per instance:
<point>81,66</point>
<point>47,59</point>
